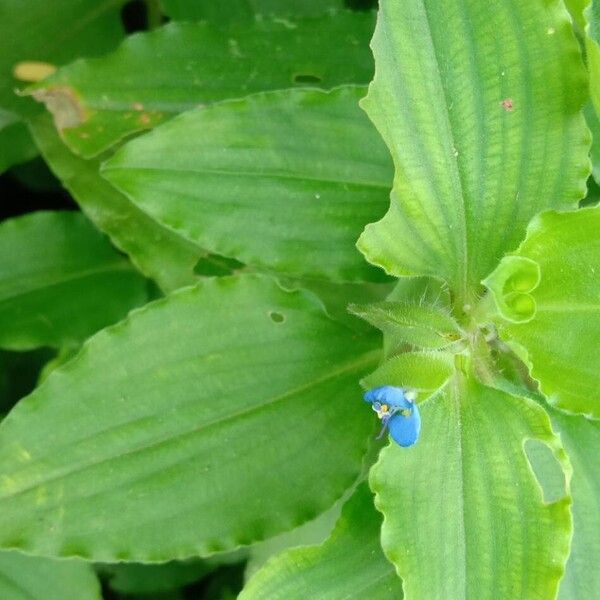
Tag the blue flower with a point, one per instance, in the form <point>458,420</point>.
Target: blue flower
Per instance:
<point>398,413</point>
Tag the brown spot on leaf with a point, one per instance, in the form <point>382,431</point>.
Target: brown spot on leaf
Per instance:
<point>507,104</point>
<point>144,119</point>
<point>64,105</point>
<point>137,106</point>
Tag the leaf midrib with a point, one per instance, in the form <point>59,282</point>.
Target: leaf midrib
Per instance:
<point>250,174</point>
<point>367,358</point>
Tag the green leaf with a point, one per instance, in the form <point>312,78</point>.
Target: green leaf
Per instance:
<point>156,75</point>
<point>463,513</point>
<point>33,578</point>
<point>156,251</point>
<point>260,177</point>
<point>60,281</point>
<point>423,325</point>
<point>512,284</point>
<point>592,47</point>
<point>16,145</point>
<point>314,532</point>
<point>38,30</point>
<point>185,418</point>
<point>581,438</point>
<point>424,372</point>
<point>349,564</point>
<point>563,327</point>
<point>245,10</point>
<point>484,126</point>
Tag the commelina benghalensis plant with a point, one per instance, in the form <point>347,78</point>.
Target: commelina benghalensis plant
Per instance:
<point>234,157</point>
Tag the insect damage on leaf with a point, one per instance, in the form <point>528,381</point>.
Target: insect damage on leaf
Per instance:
<point>63,103</point>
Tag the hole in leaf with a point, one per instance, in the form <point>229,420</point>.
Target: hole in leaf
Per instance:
<point>276,317</point>
<point>547,470</point>
<point>307,78</point>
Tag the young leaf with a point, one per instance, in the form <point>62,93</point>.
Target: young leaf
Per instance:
<point>156,251</point>
<point>562,328</point>
<point>581,438</point>
<point>186,418</point>
<point>463,514</point>
<point>484,126</point>
<point>424,372</point>
<point>261,177</point>
<point>349,564</point>
<point>245,10</point>
<point>422,325</point>
<point>33,578</point>
<point>60,281</point>
<point>156,75</point>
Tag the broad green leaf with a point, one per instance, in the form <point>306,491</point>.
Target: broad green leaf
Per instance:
<point>33,578</point>
<point>54,32</point>
<point>463,513</point>
<point>60,281</point>
<point>484,126</point>
<point>245,10</point>
<point>156,251</point>
<point>423,325</point>
<point>156,75</point>
<point>592,47</point>
<point>581,438</point>
<point>16,145</point>
<point>562,328</point>
<point>185,418</point>
<point>259,178</point>
<point>424,372</point>
<point>349,564</point>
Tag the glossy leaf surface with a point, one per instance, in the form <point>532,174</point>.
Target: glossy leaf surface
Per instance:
<point>156,251</point>
<point>562,328</point>
<point>156,75</point>
<point>484,127</point>
<point>350,564</point>
<point>186,418</point>
<point>464,514</point>
<point>285,180</point>
<point>60,281</point>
